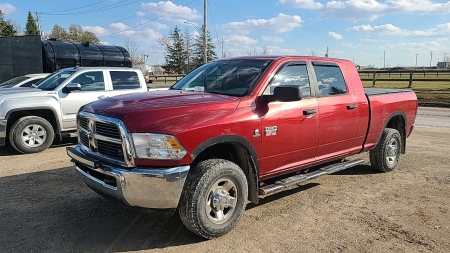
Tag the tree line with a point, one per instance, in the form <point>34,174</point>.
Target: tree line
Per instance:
<point>75,33</point>
<point>185,53</point>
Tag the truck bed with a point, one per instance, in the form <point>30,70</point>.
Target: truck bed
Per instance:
<point>378,91</point>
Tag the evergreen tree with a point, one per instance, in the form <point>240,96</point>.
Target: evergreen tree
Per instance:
<point>6,27</point>
<point>197,59</point>
<point>31,26</point>
<point>176,57</point>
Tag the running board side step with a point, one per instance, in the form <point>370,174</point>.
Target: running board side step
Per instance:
<point>290,181</point>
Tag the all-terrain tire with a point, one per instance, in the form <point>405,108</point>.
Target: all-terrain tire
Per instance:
<point>384,157</point>
<point>213,198</point>
<point>31,134</point>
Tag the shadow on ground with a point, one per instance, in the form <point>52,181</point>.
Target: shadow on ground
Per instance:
<point>53,211</point>
<point>8,150</point>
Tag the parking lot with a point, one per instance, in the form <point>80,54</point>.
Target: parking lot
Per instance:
<point>44,207</point>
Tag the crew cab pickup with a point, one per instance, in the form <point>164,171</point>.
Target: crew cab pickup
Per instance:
<point>31,117</point>
<point>237,130</point>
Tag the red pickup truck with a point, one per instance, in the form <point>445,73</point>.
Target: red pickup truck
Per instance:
<point>235,130</point>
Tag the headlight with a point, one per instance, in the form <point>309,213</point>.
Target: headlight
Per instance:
<point>157,146</point>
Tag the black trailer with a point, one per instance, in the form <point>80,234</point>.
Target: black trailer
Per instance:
<point>21,55</point>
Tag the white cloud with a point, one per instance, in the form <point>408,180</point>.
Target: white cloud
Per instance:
<point>351,45</point>
<point>171,11</point>
<point>279,24</point>
<point>104,42</point>
<point>334,35</point>
<point>239,40</point>
<point>389,29</point>
<point>304,4</point>
<point>355,9</point>
<point>272,38</point>
<point>282,51</point>
<point>420,6</point>
<point>140,13</point>
<point>97,30</point>
<point>7,8</point>
<point>372,9</point>
<point>119,26</point>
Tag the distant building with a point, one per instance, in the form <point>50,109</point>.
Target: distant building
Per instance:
<point>443,65</point>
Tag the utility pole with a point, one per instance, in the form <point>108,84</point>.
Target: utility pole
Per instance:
<point>205,43</point>
<point>431,59</point>
<point>326,52</point>
<point>416,62</point>
<point>445,57</point>
<point>384,60</point>
<point>38,22</point>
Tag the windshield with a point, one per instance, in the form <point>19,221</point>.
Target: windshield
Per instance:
<point>14,81</point>
<point>53,80</point>
<point>231,77</point>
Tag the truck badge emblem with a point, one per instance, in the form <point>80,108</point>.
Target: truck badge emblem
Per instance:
<point>272,130</point>
<point>256,133</point>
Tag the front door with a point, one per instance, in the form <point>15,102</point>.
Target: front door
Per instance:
<point>289,129</point>
<point>92,89</point>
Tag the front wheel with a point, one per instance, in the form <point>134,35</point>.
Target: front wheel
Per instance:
<point>214,198</point>
<point>384,157</point>
<point>31,134</point>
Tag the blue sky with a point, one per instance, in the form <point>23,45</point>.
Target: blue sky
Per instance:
<point>359,30</point>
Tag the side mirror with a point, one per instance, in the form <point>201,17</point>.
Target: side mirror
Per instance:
<point>284,93</point>
<point>72,87</point>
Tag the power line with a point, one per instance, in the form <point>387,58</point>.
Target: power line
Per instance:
<point>132,16</point>
<point>104,8</point>
<point>214,25</point>
<point>77,7</point>
<point>148,21</point>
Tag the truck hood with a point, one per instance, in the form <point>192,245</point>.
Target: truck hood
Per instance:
<point>144,111</point>
<point>20,91</point>
<point>17,93</point>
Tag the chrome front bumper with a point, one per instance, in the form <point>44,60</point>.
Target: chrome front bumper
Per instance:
<point>2,132</point>
<point>152,188</point>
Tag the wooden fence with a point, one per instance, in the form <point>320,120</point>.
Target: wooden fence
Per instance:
<point>408,75</point>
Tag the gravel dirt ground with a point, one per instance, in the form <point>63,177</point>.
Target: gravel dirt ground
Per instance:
<point>45,208</point>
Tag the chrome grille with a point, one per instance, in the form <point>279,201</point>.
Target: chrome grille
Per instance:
<point>83,122</point>
<point>84,139</point>
<point>102,137</point>
<point>109,148</point>
<point>107,129</point>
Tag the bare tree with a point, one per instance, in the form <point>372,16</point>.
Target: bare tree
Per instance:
<point>137,57</point>
<point>313,53</point>
<point>264,51</point>
<point>252,52</point>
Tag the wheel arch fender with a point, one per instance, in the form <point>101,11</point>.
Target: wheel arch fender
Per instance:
<point>251,159</point>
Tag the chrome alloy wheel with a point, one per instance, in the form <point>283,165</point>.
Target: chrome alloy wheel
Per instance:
<point>221,201</point>
<point>33,135</point>
<point>392,151</point>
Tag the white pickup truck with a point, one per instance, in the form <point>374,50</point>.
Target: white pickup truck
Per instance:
<point>31,118</point>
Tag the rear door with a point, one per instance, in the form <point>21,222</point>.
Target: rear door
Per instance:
<point>93,87</point>
<point>338,114</point>
<point>125,82</point>
<point>289,133</point>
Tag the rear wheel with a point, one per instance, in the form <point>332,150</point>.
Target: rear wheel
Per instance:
<point>31,134</point>
<point>214,198</point>
<point>384,157</point>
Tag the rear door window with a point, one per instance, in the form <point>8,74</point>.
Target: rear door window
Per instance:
<point>125,80</point>
<point>330,80</point>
